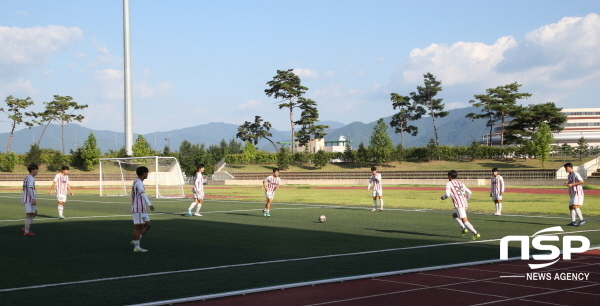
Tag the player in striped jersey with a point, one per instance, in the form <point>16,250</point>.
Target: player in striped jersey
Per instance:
<point>139,200</point>
<point>29,198</point>
<point>575,184</point>
<point>197,191</point>
<point>375,181</point>
<point>270,183</point>
<point>460,195</point>
<point>497,190</point>
<point>61,181</point>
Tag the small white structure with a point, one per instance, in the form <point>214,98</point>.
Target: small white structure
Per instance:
<point>316,145</point>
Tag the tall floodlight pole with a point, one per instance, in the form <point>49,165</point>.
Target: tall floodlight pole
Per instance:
<point>128,104</point>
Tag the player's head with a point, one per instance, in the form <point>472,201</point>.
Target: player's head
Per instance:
<point>65,169</point>
<point>32,168</point>
<point>374,169</point>
<point>452,174</point>
<point>495,171</point>
<point>275,172</point>
<point>568,167</point>
<point>142,172</point>
<point>200,167</point>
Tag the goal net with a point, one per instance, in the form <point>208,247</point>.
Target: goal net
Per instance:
<point>165,179</point>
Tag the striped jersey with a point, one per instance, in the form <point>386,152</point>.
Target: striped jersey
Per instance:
<point>198,183</point>
<point>375,180</point>
<point>138,204</point>
<point>272,183</point>
<point>577,190</point>
<point>459,193</point>
<point>28,189</point>
<point>497,187</point>
<point>61,183</point>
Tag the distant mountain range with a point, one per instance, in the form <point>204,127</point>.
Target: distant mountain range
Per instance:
<point>454,129</point>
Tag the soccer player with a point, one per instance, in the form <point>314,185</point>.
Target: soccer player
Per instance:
<point>29,198</point>
<point>375,181</point>
<point>61,181</point>
<point>139,200</point>
<point>575,182</point>
<point>198,191</point>
<point>460,195</point>
<point>497,190</point>
<point>270,183</point>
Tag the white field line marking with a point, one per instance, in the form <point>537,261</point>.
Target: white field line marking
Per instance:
<point>260,263</point>
<point>548,303</point>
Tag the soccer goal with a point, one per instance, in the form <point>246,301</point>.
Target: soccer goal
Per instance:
<point>165,179</point>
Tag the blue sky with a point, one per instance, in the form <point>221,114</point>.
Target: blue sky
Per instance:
<point>196,62</point>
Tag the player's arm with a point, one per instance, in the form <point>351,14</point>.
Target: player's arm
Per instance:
<point>146,200</point>
<point>448,192</point>
<point>69,189</point>
<point>468,192</point>
<point>264,185</point>
<point>52,187</point>
<point>31,193</point>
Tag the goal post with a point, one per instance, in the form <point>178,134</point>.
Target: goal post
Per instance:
<point>165,179</point>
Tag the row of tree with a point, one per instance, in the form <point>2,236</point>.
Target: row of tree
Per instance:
<point>498,105</point>
<point>61,110</point>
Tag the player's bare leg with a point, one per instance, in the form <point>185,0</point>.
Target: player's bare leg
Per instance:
<point>460,223</point>
<point>374,203</point>
<point>576,212</point>
<point>28,220</point>
<point>138,231</point>
<point>266,211</point>
<point>468,225</point>
<point>199,202</point>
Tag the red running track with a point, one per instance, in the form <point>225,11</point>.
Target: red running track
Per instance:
<point>473,285</point>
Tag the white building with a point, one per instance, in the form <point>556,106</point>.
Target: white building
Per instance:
<point>320,144</point>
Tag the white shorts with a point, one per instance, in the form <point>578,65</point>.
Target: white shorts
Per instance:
<point>61,197</point>
<point>496,197</point>
<point>576,200</point>
<point>199,195</point>
<point>140,218</point>
<point>30,208</point>
<point>269,195</point>
<point>377,193</point>
<point>461,212</point>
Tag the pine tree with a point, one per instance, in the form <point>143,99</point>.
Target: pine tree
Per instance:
<point>380,144</point>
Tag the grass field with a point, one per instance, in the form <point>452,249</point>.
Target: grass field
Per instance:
<point>87,259</point>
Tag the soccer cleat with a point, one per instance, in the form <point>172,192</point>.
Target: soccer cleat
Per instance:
<point>581,222</point>
<point>139,250</point>
<point>572,224</point>
<point>132,242</point>
<point>197,215</point>
<point>374,209</point>
<point>23,229</point>
<point>464,231</point>
<point>476,236</point>
<point>381,209</point>
<point>61,217</point>
<point>267,215</point>
<point>29,234</point>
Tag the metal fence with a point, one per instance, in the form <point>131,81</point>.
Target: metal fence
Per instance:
<point>463,174</point>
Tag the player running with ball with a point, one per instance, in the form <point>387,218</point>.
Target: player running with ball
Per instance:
<point>270,183</point>
<point>460,195</point>
<point>139,200</point>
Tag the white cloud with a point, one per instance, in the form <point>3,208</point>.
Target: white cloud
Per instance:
<point>252,104</point>
<point>109,83</point>
<point>21,13</point>
<point>312,74</point>
<point>24,48</point>
<point>20,88</point>
<point>381,59</point>
<point>556,59</point>
<point>160,90</point>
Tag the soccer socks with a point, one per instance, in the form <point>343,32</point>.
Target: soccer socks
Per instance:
<point>381,202</point>
<point>198,208</point>
<point>460,223</point>
<point>499,208</point>
<point>192,206</point>
<point>470,227</point>
<point>578,211</point>
<point>28,221</point>
<point>374,204</point>
<point>60,209</point>
<point>136,243</point>
<point>573,215</point>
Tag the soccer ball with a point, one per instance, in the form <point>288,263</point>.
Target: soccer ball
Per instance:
<point>322,218</point>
